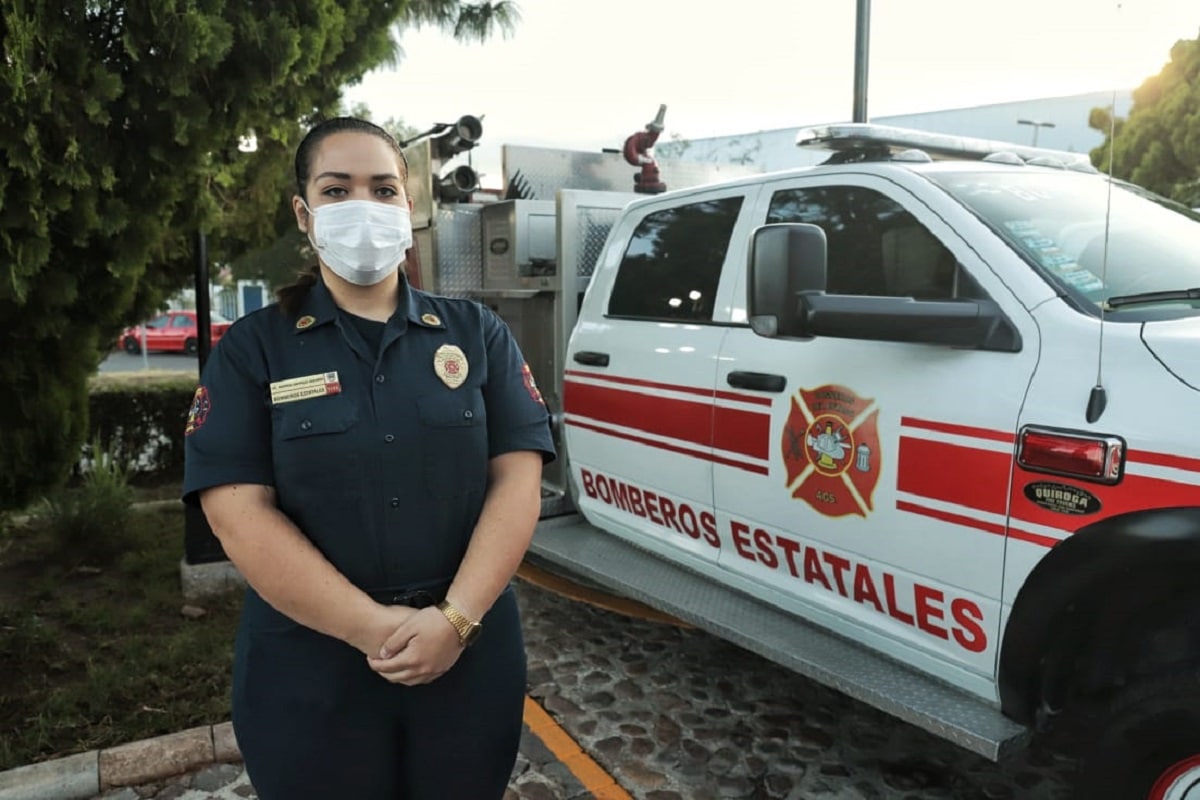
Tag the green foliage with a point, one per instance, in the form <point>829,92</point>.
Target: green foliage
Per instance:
<point>139,419</point>
<point>119,121</point>
<point>1158,146</point>
<point>90,523</point>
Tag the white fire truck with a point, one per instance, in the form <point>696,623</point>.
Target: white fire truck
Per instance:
<point>919,423</point>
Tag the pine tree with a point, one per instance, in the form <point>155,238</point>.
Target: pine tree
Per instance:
<point>119,126</point>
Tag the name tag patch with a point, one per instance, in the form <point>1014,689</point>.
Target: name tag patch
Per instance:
<point>294,389</point>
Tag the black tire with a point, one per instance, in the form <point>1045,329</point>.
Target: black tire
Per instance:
<point>132,345</point>
<point>1147,743</point>
<point>190,347</point>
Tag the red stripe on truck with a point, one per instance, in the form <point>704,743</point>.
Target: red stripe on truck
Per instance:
<point>735,430</point>
<point>952,473</point>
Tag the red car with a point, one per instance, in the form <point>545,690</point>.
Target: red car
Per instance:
<point>173,331</point>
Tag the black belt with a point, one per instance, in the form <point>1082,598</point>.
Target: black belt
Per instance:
<point>415,598</point>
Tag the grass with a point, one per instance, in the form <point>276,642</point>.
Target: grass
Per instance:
<point>94,648</point>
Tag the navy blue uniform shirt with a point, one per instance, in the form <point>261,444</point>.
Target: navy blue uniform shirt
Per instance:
<point>378,457</point>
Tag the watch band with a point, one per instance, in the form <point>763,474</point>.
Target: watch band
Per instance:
<point>467,628</point>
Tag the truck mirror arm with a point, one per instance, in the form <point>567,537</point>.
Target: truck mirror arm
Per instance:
<point>958,323</point>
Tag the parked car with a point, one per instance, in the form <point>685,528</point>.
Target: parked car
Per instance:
<point>173,331</point>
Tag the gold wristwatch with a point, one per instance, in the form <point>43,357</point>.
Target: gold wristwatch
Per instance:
<point>468,630</point>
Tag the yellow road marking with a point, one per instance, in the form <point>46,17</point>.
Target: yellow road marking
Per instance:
<point>559,742</point>
<point>573,591</point>
<point>542,725</point>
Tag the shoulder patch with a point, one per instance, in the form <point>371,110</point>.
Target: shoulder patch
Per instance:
<point>531,385</point>
<point>201,404</point>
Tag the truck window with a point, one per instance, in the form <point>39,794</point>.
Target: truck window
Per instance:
<point>875,247</point>
<point>673,263</point>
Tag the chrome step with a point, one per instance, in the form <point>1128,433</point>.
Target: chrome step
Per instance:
<point>579,548</point>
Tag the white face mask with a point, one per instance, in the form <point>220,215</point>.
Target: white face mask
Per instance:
<point>362,241</point>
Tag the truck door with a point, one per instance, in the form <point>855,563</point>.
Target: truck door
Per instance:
<point>641,362</point>
<point>882,511</point>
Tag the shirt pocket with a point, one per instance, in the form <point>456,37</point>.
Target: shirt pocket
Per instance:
<point>315,451</point>
<point>454,442</point>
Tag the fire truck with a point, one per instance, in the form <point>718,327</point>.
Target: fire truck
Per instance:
<point>919,423</point>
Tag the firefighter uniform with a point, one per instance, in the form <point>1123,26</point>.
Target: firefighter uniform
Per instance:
<point>376,438</point>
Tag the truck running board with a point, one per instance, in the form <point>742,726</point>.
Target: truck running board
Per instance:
<point>582,550</point>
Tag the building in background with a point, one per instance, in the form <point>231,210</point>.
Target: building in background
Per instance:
<point>1059,123</point>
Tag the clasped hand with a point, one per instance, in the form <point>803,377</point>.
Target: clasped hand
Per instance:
<point>421,646</point>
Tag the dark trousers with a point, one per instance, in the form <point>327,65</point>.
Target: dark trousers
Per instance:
<point>313,722</point>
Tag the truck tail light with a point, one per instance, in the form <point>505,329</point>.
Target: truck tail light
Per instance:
<point>1078,455</point>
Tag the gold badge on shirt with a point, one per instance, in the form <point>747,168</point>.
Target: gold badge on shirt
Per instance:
<point>450,364</point>
<point>294,389</point>
<point>431,319</point>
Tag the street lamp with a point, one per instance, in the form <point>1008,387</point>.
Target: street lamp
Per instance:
<point>1035,125</point>
<point>200,544</point>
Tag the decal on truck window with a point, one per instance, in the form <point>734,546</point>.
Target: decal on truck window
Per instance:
<point>831,450</point>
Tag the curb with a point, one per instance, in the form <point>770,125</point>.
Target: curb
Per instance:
<point>87,774</point>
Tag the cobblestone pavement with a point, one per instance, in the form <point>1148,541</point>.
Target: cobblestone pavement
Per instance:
<point>676,714</point>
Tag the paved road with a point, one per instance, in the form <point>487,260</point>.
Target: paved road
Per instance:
<point>120,361</point>
<point>672,713</point>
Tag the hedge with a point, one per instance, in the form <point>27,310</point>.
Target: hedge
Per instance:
<point>139,419</point>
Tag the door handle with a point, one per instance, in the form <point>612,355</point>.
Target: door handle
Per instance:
<point>757,381</point>
<point>591,359</point>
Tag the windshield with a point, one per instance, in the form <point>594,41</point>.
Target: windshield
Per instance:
<point>1056,221</point>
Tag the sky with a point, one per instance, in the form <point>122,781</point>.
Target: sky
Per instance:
<point>585,75</point>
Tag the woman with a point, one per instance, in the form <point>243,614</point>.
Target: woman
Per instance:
<point>370,458</point>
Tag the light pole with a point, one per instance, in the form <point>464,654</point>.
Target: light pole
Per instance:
<point>1036,124</point>
<point>200,544</point>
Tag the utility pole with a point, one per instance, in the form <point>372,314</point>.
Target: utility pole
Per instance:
<point>862,48</point>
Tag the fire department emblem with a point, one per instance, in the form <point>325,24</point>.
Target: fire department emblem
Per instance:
<point>450,364</point>
<point>531,384</point>
<point>198,413</point>
<point>831,450</point>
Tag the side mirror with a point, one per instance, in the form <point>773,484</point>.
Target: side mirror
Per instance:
<point>785,261</point>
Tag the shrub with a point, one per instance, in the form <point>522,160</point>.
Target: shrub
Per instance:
<point>90,522</point>
<point>139,418</point>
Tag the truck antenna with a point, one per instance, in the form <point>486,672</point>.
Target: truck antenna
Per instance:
<point>1098,398</point>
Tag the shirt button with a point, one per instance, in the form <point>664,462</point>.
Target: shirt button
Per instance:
<point>395,502</point>
<point>467,414</point>
<point>306,425</point>
<point>379,379</point>
<point>389,438</point>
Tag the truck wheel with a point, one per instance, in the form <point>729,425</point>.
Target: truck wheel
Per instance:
<point>190,347</point>
<point>1148,745</point>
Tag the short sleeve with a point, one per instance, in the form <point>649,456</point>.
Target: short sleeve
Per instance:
<point>227,438</point>
<point>516,413</point>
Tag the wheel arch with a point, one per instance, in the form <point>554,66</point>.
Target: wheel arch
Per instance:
<point>1110,576</point>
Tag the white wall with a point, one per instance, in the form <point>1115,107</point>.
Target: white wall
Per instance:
<point>776,149</point>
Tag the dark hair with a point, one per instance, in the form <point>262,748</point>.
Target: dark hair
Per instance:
<point>318,133</point>
<point>291,295</point>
